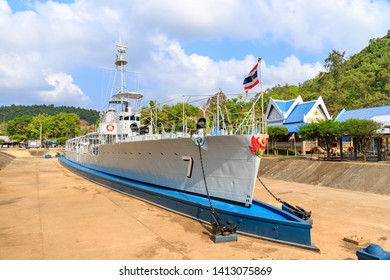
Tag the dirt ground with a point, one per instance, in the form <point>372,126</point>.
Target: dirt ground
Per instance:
<point>47,212</point>
<point>373,177</point>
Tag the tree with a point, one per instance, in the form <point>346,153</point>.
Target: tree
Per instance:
<point>334,63</point>
<point>61,140</point>
<point>191,114</point>
<point>276,133</point>
<point>41,126</point>
<point>334,60</point>
<point>363,131</point>
<point>216,106</point>
<point>3,130</point>
<point>19,126</point>
<point>218,98</point>
<point>286,92</point>
<point>170,117</point>
<point>19,138</point>
<point>8,113</point>
<point>359,81</point>
<point>236,109</point>
<point>324,131</point>
<point>45,126</point>
<point>65,125</point>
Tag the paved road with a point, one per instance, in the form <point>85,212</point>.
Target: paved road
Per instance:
<point>47,212</point>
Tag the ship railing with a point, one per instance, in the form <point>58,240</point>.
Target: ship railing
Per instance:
<point>141,137</point>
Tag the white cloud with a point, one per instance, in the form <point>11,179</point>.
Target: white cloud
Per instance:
<point>4,8</point>
<point>291,71</point>
<point>192,19</point>
<point>19,72</point>
<point>315,25</point>
<point>57,38</point>
<point>304,24</point>
<point>197,74</point>
<point>63,91</point>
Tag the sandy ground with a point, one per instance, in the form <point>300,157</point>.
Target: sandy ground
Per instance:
<point>47,212</point>
<point>373,177</point>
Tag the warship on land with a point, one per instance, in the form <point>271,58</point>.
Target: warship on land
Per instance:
<point>207,176</point>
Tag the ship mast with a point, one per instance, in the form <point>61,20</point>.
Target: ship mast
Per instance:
<point>121,62</point>
<point>123,97</point>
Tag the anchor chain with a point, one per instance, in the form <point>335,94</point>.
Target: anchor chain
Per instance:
<point>296,210</point>
<point>219,227</point>
<point>277,199</point>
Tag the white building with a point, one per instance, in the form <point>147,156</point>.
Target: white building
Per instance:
<point>294,113</point>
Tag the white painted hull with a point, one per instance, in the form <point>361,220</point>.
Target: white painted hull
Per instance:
<point>230,168</point>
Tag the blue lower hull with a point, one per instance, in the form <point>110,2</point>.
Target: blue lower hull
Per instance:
<point>259,220</point>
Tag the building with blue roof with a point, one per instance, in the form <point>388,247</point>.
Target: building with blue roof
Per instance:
<point>294,113</point>
<point>379,114</point>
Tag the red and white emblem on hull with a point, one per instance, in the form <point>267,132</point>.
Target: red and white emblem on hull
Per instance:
<point>259,143</point>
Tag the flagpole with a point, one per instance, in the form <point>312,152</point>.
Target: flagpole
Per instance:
<point>295,147</point>
<point>261,92</point>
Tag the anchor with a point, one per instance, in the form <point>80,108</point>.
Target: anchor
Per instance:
<point>297,211</point>
<point>222,232</point>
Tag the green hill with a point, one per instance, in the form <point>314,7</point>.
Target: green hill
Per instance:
<point>8,113</point>
<point>358,81</point>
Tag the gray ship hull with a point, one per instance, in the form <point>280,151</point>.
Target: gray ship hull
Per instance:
<point>229,166</point>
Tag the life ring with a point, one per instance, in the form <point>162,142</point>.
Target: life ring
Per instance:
<point>110,127</point>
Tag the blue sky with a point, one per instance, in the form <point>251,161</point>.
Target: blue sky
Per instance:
<point>52,52</point>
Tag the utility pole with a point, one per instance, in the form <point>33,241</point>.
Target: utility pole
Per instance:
<point>40,135</point>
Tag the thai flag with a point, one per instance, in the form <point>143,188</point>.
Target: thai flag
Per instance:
<point>292,137</point>
<point>252,79</point>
